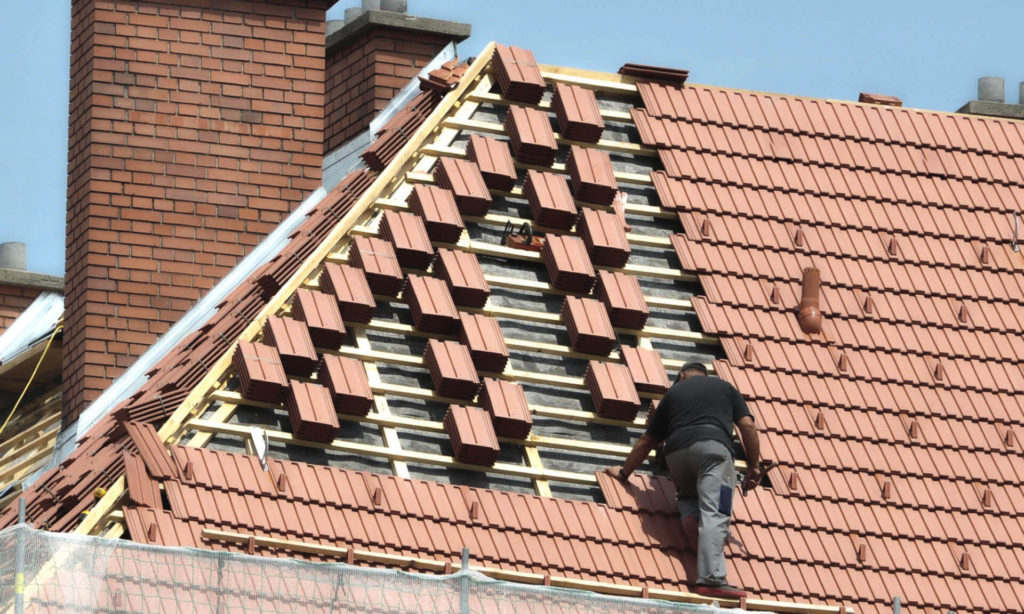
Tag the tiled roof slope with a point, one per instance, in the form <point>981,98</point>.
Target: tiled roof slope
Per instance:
<point>897,429</point>
<point>59,497</point>
<point>898,426</point>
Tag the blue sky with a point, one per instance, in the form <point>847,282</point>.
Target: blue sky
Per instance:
<point>930,54</point>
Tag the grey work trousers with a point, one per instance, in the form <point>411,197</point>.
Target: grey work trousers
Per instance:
<point>704,476</point>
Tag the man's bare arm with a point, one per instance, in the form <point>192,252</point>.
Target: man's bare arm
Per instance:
<point>752,449</point>
<point>636,457</point>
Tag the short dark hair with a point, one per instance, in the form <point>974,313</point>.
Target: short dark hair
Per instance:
<point>694,366</point>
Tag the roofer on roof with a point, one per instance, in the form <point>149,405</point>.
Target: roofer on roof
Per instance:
<point>694,420</point>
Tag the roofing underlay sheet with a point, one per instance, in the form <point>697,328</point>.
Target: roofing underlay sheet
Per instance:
<point>896,431</point>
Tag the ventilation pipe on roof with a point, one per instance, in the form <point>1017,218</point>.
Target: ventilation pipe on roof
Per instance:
<point>808,315</point>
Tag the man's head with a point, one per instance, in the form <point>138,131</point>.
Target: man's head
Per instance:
<point>692,369</point>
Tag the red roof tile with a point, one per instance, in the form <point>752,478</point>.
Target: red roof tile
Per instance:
<point>451,369</point>
<point>482,335</point>
<point>293,343</point>
<point>151,449</point>
<point>408,235</point>
<point>311,412</point>
<point>494,160</point>
<point>260,372</point>
<point>463,178</point>
<point>623,298</point>
<point>612,390</point>
<point>589,328</point>
<point>531,136</point>
<point>551,203</point>
<point>472,435</point>
<point>350,287</point>
<point>322,317</point>
<point>432,307</point>
<point>604,237</point>
<point>579,117</point>
<point>439,212</point>
<point>518,74</point>
<point>506,402</point>
<point>568,264</point>
<point>143,490</point>
<point>377,258</point>
<point>593,179</point>
<point>461,271</point>
<point>347,382</point>
<point>646,369</point>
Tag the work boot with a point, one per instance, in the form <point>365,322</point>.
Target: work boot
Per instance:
<point>690,532</point>
<point>719,591</point>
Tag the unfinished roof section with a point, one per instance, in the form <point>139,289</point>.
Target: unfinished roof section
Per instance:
<point>898,448</point>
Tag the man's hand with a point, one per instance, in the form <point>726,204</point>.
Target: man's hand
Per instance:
<point>752,478</point>
<point>616,472</point>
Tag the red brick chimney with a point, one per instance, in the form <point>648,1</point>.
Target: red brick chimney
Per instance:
<point>195,127</point>
<point>371,56</point>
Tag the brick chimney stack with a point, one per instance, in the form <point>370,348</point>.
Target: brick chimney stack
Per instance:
<point>195,127</point>
<point>371,55</point>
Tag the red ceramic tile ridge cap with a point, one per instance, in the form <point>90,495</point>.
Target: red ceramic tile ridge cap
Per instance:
<point>808,315</point>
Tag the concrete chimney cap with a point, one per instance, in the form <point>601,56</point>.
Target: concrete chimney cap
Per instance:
<point>992,89</point>
<point>13,256</point>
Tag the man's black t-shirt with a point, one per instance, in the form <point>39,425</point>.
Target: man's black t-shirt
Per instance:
<point>696,409</point>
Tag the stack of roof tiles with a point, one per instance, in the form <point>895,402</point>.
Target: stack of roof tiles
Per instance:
<point>517,73</point>
<point>506,402</point>
<point>646,369</point>
<point>260,373</point>
<point>463,178</point>
<point>529,131</point>
<point>293,343</point>
<point>623,298</point>
<point>494,160</point>
<point>346,380</point>
<point>568,263</point>
<point>432,307</point>
<point>320,313</point>
<point>451,369</point>
<point>551,203</point>
<point>604,237</point>
<point>482,335</point>
<point>407,233</point>
<point>439,212</point>
<point>461,271</point>
<point>579,117</point>
<point>612,390</point>
<point>395,133</point>
<point>593,179</point>
<point>472,435</point>
<point>311,412</point>
<point>590,330</point>
<point>379,262</point>
<point>351,289</point>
